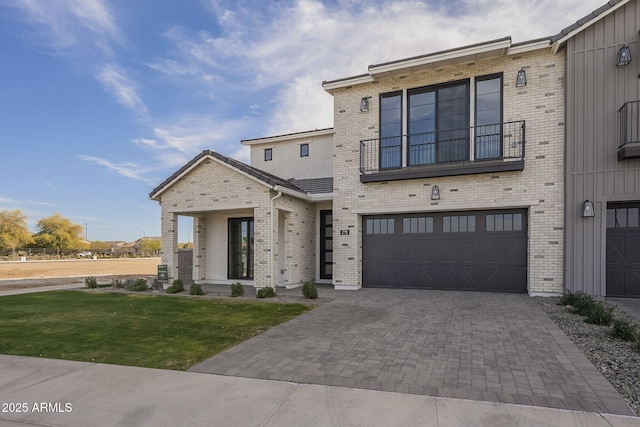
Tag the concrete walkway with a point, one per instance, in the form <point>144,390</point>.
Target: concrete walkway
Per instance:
<point>65,393</point>
<point>481,346</point>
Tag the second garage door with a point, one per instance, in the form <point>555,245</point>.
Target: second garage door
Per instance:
<point>481,251</point>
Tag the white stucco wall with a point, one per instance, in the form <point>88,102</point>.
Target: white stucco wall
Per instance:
<point>287,162</point>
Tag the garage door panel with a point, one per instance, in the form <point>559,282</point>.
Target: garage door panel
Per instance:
<point>447,257</point>
<point>623,250</point>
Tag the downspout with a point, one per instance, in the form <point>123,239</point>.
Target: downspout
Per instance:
<point>271,241</point>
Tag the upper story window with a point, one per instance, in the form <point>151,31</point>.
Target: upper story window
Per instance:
<point>438,126</point>
<point>268,154</point>
<point>304,150</point>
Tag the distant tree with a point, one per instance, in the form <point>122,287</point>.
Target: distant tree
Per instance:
<point>188,245</point>
<point>58,232</point>
<point>150,246</point>
<point>99,245</point>
<point>13,230</point>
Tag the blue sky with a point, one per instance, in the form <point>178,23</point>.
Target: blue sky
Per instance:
<point>101,100</point>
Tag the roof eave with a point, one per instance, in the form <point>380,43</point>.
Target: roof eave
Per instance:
<point>581,26</point>
<point>287,137</point>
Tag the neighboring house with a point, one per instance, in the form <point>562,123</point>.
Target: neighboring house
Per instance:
<point>603,150</point>
<point>442,171</point>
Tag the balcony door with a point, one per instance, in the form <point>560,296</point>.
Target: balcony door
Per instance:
<point>390,130</point>
<point>438,124</point>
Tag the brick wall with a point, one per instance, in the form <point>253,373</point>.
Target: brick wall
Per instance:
<point>214,187</point>
<point>539,187</point>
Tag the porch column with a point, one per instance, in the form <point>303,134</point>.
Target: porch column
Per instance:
<point>199,247</point>
<point>170,243</point>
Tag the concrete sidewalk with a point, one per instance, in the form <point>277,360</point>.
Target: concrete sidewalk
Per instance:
<point>82,394</point>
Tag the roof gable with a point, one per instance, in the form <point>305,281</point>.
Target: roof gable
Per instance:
<point>262,177</point>
<point>561,38</point>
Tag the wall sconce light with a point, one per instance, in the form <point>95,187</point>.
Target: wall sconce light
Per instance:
<point>624,56</point>
<point>587,209</point>
<point>521,78</point>
<point>364,104</point>
<point>435,193</point>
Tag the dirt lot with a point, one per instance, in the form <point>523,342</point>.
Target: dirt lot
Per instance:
<point>79,268</point>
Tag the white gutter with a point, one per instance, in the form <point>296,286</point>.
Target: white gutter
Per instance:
<point>271,241</point>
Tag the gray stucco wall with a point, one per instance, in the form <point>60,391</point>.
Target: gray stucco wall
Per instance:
<point>595,90</point>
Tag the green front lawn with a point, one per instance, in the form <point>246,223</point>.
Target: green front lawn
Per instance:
<point>137,330</point>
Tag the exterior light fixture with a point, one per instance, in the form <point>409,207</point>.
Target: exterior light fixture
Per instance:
<point>521,78</point>
<point>435,193</point>
<point>364,104</point>
<point>587,209</point>
<point>624,56</point>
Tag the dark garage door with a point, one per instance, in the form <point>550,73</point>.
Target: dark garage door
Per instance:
<point>623,250</point>
<point>481,251</point>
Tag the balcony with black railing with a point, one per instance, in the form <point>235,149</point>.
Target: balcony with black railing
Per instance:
<point>629,146</point>
<point>479,149</point>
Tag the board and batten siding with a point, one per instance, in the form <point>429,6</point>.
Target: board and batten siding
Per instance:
<point>595,90</point>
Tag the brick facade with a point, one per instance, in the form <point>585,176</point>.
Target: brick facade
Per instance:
<point>539,187</point>
<point>213,188</point>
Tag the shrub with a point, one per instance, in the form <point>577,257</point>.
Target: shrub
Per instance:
<point>621,328</point>
<point>266,292</point>
<point>237,290</point>
<point>309,290</point>
<point>598,314</point>
<point>117,283</point>
<point>195,289</point>
<point>580,302</point>
<point>91,282</point>
<point>176,286</point>
<point>137,285</point>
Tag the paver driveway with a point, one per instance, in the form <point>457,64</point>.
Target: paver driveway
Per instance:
<point>471,345</point>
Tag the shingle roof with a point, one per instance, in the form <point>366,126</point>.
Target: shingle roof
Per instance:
<point>250,170</point>
<point>568,30</point>
<point>314,185</point>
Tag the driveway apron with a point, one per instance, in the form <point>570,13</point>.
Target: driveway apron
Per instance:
<point>470,345</point>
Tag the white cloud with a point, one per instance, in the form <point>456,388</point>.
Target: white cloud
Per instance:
<point>121,87</point>
<point>126,169</point>
<point>298,44</point>
<point>65,24</point>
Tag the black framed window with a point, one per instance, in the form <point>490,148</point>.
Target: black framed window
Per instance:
<point>621,215</point>
<point>459,224</point>
<point>488,144</point>
<point>380,226</point>
<point>240,248</point>
<point>438,124</point>
<point>304,150</point>
<point>503,222</point>
<point>268,154</point>
<point>390,130</point>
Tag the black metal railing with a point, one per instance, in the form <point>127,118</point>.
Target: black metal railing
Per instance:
<point>629,123</point>
<point>498,141</point>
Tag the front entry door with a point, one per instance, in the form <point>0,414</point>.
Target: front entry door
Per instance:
<point>240,249</point>
<point>326,244</point>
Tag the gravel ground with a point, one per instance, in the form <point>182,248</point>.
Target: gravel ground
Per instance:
<point>616,359</point>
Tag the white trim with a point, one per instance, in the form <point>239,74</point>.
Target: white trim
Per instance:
<point>214,209</point>
<point>497,46</point>
<point>528,47</point>
<point>278,138</point>
<point>545,294</point>
<point>346,287</point>
<point>359,80</point>
<point>449,207</point>
<point>558,43</point>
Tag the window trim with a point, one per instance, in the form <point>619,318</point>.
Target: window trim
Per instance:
<point>268,154</point>
<point>304,150</point>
